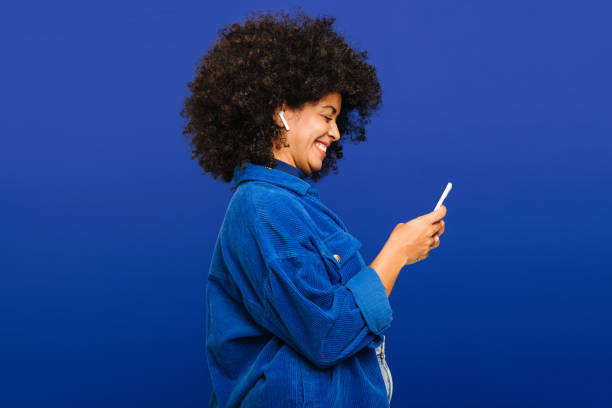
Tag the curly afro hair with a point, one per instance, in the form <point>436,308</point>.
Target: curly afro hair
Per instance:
<point>254,68</point>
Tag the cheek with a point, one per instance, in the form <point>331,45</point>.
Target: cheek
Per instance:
<point>318,128</point>
<point>315,129</point>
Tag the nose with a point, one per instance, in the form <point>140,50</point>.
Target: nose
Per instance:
<point>334,132</point>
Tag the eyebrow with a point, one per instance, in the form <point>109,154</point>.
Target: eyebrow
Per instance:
<point>329,106</point>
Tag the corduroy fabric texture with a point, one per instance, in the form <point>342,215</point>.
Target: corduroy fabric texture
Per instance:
<point>293,312</point>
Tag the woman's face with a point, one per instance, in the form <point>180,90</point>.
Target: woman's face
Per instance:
<point>315,123</point>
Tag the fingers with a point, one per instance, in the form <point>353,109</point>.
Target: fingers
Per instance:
<point>437,228</point>
<point>436,236</point>
<point>422,257</point>
<point>438,214</point>
<point>442,228</point>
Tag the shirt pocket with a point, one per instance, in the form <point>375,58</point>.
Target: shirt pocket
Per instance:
<point>340,252</point>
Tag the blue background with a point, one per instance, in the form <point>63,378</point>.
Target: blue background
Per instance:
<point>108,226</point>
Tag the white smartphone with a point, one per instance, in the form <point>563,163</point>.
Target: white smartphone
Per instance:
<point>444,194</point>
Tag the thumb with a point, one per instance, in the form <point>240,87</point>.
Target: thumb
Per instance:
<point>439,213</point>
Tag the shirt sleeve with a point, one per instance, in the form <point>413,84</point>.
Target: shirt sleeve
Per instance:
<point>288,290</point>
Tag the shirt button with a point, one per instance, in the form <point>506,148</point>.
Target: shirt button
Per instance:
<point>337,257</point>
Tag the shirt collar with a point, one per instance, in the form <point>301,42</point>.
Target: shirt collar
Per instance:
<point>286,167</point>
<point>280,176</point>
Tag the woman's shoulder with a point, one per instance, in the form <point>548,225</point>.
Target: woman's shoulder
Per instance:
<point>264,209</point>
<point>266,198</point>
<point>273,217</point>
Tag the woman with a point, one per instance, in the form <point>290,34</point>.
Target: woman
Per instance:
<point>295,318</point>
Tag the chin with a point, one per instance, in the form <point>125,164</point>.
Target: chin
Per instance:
<point>316,167</point>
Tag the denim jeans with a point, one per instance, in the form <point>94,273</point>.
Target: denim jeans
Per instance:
<point>384,369</point>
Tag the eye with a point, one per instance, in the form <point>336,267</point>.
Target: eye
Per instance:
<point>326,118</point>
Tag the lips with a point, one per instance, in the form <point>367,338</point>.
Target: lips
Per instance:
<point>316,144</point>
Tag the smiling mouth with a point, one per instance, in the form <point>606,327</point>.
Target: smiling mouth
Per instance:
<point>321,148</point>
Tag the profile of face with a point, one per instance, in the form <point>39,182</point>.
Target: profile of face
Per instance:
<point>312,129</point>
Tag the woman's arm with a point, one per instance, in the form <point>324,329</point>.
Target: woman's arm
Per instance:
<point>285,285</point>
<point>408,243</point>
<point>388,264</point>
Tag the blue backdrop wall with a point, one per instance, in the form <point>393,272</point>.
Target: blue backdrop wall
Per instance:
<point>108,226</point>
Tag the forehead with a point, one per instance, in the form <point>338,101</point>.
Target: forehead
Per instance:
<point>333,99</point>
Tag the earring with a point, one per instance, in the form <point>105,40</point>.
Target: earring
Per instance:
<point>281,114</point>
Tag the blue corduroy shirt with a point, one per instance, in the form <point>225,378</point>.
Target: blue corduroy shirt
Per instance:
<point>293,312</point>
<point>287,168</point>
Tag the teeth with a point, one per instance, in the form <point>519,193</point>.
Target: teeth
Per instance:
<point>321,146</point>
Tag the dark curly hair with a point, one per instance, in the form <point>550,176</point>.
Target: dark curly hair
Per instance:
<point>256,67</point>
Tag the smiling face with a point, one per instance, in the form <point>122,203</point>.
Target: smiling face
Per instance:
<point>310,126</point>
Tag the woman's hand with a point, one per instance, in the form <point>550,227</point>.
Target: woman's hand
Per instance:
<point>415,238</point>
<point>408,243</point>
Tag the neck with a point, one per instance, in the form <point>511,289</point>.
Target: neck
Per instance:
<point>287,160</point>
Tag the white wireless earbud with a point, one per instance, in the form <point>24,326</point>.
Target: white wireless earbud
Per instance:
<point>281,114</point>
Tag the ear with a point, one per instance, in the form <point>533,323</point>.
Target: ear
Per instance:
<point>288,114</point>
<point>277,118</point>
